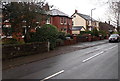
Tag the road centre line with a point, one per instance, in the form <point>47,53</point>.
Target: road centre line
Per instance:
<point>82,61</point>
<point>93,51</point>
<point>110,48</point>
<point>97,54</point>
<point>53,75</point>
<point>92,57</point>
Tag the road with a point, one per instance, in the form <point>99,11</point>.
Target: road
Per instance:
<point>98,62</point>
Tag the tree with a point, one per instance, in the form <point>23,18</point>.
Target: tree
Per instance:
<point>46,33</point>
<point>24,14</point>
<point>116,9</point>
<point>114,12</point>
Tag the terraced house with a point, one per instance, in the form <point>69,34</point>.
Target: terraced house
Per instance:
<point>82,22</point>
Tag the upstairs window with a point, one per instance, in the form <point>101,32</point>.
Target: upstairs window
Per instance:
<point>65,21</point>
<point>61,20</point>
<point>48,21</point>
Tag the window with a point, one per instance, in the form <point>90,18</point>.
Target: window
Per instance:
<point>65,20</point>
<point>74,16</point>
<point>48,21</point>
<point>61,20</point>
<point>63,29</point>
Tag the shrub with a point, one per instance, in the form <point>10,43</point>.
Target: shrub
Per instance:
<point>9,41</point>
<point>85,32</point>
<point>69,35</point>
<point>103,33</point>
<point>60,42</point>
<point>61,35</point>
<point>46,33</point>
<point>95,32</point>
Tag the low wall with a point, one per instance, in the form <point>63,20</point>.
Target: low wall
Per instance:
<point>82,39</point>
<point>12,51</point>
<point>69,42</point>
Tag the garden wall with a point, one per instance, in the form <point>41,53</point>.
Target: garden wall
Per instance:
<point>82,39</point>
<point>12,51</point>
<point>69,42</point>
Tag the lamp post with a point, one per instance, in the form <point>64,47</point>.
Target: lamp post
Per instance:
<point>91,15</point>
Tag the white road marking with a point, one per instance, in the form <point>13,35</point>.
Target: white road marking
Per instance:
<point>93,51</point>
<point>92,57</point>
<point>97,54</point>
<point>110,48</point>
<point>53,75</point>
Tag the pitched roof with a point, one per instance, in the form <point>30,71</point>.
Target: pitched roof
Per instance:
<point>56,12</point>
<point>86,17</point>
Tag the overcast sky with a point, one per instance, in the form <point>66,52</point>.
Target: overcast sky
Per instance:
<point>101,12</point>
<point>83,6</point>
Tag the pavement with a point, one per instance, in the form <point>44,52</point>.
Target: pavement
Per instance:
<point>12,63</point>
<point>100,61</point>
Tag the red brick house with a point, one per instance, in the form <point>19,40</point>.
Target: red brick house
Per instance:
<point>106,27</point>
<point>61,20</point>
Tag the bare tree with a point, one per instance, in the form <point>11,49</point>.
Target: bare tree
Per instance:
<point>114,9</point>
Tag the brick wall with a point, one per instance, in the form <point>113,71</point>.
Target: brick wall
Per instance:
<point>12,51</point>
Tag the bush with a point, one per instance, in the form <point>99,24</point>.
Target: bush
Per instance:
<point>95,32</point>
<point>60,42</point>
<point>61,35</point>
<point>85,32</point>
<point>69,35</point>
<point>46,33</point>
<point>9,41</point>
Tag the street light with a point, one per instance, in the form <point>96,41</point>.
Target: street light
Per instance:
<point>91,15</point>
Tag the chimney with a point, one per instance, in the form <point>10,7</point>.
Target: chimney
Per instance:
<point>76,11</point>
<point>109,22</point>
<point>46,7</point>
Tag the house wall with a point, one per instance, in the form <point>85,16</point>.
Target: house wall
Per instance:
<point>56,21</point>
<point>79,21</point>
<point>106,27</point>
<point>76,32</point>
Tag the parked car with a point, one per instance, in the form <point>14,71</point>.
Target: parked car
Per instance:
<point>114,38</point>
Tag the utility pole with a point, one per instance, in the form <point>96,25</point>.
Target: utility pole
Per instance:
<point>91,15</point>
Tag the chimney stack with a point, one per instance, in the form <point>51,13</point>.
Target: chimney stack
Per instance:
<point>109,22</point>
<point>76,11</point>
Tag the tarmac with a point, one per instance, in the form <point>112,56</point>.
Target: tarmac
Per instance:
<point>16,62</point>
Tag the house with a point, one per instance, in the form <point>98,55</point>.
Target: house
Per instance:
<point>61,20</point>
<point>82,22</point>
<point>107,27</point>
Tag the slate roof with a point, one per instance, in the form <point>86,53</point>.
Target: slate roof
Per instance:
<point>86,17</point>
<point>77,28</point>
<point>56,12</point>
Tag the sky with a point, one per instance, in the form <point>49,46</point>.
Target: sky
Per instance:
<point>83,6</point>
<point>101,13</point>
